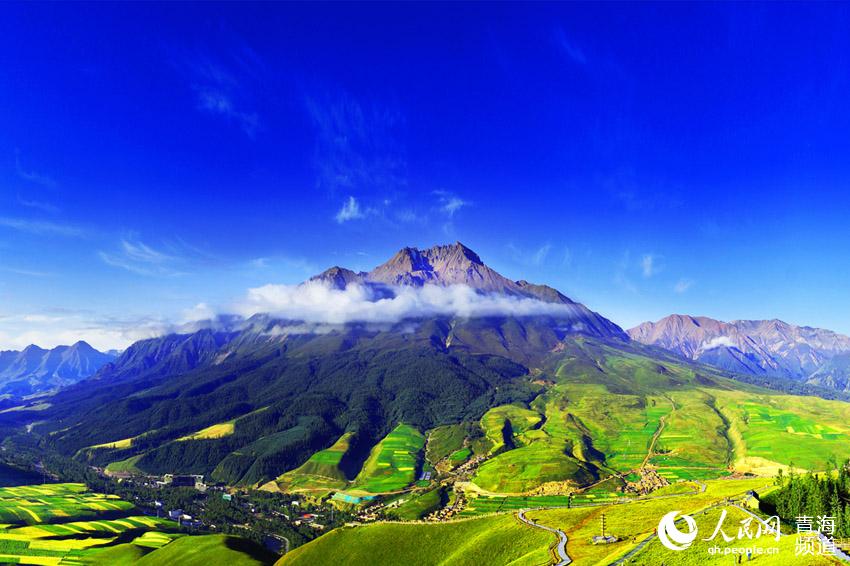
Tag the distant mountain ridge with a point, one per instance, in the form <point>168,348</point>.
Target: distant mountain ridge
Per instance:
<point>757,347</point>
<point>36,369</point>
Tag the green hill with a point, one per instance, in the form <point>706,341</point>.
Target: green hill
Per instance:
<point>489,540</point>
<point>321,472</point>
<point>209,549</point>
<point>393,463</point>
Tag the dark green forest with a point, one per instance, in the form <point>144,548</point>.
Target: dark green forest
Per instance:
<point>813,495</point>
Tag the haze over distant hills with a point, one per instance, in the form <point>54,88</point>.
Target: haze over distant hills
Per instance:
<point>35,369</point>
<point>756,347</point>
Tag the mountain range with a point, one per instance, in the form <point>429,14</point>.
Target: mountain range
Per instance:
<point>245,401</point>
<point>756,347</point>
<point>35,369</point>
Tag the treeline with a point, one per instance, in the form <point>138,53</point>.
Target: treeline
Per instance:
<point>814,496</point>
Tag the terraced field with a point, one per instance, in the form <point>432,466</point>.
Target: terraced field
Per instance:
<point>39,527</point>
<point>393,462</point>
<point>50,502</point>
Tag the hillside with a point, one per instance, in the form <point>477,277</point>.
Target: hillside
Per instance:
<point>491,540</point>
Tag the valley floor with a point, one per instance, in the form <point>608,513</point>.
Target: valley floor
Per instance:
<point>503,538</point>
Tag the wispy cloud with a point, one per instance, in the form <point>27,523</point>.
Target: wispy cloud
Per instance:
<point>568,48</point>
<point>26,272</point>
<point>350,211</point>
<point>216,101</point>
<point>534,257</point>
<point>32,176</point>
<point>622,273</point>
<point>359,148</point>
<point>682,285</point>
<point>38,205</point>
<point>539,256</point>
<point>137,257</point>
<point>42,227</point>
<point>450,203</point>
<point>224,84</point>
<point>649,265</point>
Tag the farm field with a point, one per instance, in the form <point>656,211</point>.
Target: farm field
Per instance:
<point>53,524</point>
<point>393,462</point>
<point>782,429</point>
<point>320,473</point>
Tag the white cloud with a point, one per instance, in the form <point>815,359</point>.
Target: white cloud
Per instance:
<point>450,203</point>
<point>48,331</point>
<point>350,211</point>
<point>200,312</point>
<point>317,303</point>
<point>719,342</point>
<point>682,285</point>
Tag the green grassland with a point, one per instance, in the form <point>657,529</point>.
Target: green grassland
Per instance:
<point>416,505</point>
<point>393,462</point>
<point>632,522</point>
<point>501,539</point>
<point>53,524</point>
<point>504,425</point>
<point>488,540</point>
<point>630,411</point>
<point>321,472</point>
<point>124,466</point>
<point>656,553</point>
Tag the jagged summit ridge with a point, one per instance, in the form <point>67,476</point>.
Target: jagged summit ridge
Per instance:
<point>443,265</point>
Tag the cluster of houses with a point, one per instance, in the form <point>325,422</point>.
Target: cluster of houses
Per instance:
<point>183,519</point>
<point>171,480</point>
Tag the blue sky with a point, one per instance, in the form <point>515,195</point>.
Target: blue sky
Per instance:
<point>645,159</point>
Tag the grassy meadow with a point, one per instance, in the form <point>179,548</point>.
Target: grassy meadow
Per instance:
<point>64,524</point>
<point>393,462</point>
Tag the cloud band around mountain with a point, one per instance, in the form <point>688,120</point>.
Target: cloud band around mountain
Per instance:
<point>316,302</point>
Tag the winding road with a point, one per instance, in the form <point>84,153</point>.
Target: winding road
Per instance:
<point>561,549</point>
